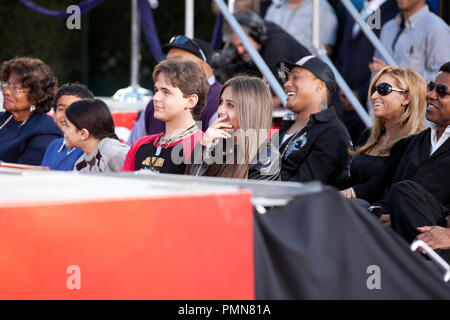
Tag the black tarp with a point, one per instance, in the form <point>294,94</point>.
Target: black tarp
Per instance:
<point>320,246</point>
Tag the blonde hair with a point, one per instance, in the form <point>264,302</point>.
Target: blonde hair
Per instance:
<point>413,116</point>
<point>253,104</point>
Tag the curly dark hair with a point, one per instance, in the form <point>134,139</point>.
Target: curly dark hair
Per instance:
<point>73,89</point>
<point>35,75</point>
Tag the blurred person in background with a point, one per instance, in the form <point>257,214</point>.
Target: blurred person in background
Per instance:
<point>296,17</point>
<point>355,54</point>
<point>199,52</point>
<point>416,38</point>
<point>271,41</point>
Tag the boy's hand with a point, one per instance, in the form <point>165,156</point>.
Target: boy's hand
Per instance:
<point>217,130</point>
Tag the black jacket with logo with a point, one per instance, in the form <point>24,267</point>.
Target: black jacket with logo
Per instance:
<point>318,152</point>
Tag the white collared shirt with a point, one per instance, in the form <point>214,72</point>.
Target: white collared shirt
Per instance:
<point>424,44</point>
<point>435,143</point>
<point>63,146</point>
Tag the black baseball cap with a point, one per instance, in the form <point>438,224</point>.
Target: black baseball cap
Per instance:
<point>199,48</point>
<point>313,64</point>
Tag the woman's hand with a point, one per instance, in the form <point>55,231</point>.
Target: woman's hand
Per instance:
<point>217,130</point>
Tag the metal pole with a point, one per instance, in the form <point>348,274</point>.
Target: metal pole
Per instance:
<point>348,92</point>
<point>321,52</point>
<point>315,23</point>
<point>231,6</point>
<point>189,19</point>
<point>368,32</point>
<point>262,66</point>
<point>135,43</point>
<point>257,6</point>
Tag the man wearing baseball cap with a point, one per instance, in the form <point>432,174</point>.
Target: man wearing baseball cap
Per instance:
<point>195,50</point>
<point>314,145</point>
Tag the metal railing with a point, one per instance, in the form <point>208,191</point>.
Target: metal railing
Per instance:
<point>262,66</point>
<point>360,110</point>
<point>368,32</point>
<point>320,51</point>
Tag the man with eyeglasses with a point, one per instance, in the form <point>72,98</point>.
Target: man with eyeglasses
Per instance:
<point>417,204</point>
<point>197,51</point>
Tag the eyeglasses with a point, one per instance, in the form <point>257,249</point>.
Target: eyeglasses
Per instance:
<point>13,88</point>
<point>441,90</point>
<point>183,40</point>
<point>384,89</point>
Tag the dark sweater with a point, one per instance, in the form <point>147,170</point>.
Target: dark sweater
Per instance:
<point>26,144</point>
<point>318,151</point>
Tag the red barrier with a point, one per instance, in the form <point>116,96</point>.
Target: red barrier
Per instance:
<point>124,119</point>
<point>191,247</point>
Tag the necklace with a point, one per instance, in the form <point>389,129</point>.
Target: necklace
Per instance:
<point>9,118</point>
<point>161,142</point>
<point>291,139</point>
<point>6,122</point>
<point>380,147</point>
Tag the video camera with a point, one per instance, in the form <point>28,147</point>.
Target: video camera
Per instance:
<point>227,63</point>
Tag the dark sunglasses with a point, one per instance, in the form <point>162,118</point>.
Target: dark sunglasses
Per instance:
<point>181,40</point>
<point>441,90</point>
<point>384,89</point>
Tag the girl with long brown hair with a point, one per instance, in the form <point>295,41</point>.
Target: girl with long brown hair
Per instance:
<point>237,144</point>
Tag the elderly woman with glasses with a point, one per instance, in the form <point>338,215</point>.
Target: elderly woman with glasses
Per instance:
<point>398,99</point>
<point>28,87</point>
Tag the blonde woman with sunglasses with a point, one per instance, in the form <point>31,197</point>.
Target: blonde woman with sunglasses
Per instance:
<point>397,96</point>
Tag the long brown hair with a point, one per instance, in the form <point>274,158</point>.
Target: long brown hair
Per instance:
<point>413,116</point>
<point>253,103</point>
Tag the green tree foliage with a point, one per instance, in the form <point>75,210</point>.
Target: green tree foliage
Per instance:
<point>98,54</point>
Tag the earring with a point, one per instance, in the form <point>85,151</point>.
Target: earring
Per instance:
<point>32,108</point>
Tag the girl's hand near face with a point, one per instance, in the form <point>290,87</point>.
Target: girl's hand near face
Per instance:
<point>217,130</point>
